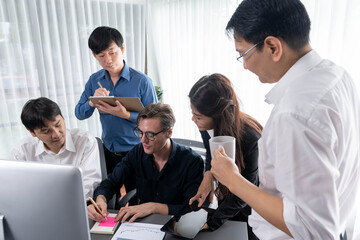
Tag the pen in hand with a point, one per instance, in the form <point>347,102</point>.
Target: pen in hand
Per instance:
<point>106,91</point>
<point>96,207</point>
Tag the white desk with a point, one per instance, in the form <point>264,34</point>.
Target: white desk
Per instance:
<point>229,231</point>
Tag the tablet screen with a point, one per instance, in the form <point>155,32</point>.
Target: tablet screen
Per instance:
<point>188,224</point>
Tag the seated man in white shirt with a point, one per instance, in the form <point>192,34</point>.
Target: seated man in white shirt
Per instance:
<point>52,143</point>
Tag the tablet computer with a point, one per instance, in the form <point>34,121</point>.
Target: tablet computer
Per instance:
<point>188,223</point>
<point>132,104</point>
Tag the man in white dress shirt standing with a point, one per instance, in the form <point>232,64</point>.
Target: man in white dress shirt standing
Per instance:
<point>309,159</point>
<point>52,143</point>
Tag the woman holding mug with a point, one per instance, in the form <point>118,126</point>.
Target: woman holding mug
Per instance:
<point>216,112</point>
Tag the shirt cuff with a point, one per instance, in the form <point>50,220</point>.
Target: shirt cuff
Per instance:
<point>214,223</point>
<point>87,106</point>
<point>292,220</point>
<point>133,116</point>
<point>98,192</point>
<point>207,167</point>
<point>174,209</point>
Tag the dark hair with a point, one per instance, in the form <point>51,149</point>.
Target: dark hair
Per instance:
<point>36,111</point>
<point>101,38</point>
<point>213,96</point>
<point>254,20</point>
<point>158,110</point>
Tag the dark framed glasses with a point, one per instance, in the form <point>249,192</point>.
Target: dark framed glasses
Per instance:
<point>148,135</point>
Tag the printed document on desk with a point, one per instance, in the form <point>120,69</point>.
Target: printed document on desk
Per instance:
<point>138,231</point>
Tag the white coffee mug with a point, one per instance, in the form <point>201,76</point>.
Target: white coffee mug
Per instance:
<point>227,142</point>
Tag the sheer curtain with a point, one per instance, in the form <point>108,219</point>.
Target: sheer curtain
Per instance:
<point>44,52</point>
<point>187,40</point>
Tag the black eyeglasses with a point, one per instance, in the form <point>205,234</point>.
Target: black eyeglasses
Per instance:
<point>148,135</point>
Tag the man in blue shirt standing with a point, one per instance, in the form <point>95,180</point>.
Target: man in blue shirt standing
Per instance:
<point>119,80</point>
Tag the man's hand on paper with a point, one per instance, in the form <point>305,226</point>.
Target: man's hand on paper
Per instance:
<point>102,92</point>
<point>222,167</point>
<point>119,110</point>
<point>93,214</point>
<point>206,187</point>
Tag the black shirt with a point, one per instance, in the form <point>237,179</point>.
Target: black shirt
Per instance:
<point>174,185</point>
<point>232,206</point>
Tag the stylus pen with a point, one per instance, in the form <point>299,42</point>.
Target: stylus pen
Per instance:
<point>96,206</point>
<point>100,84</point>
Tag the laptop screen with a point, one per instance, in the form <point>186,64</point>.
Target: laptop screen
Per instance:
<point>42,201</point>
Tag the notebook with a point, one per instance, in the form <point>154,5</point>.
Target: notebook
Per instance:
<point>106,227</point>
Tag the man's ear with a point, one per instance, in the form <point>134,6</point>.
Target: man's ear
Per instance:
<point>93,54</point>
<point>275,47</point>
<point>32,133</point>
<point>122,48</point>
<point>169,132</point>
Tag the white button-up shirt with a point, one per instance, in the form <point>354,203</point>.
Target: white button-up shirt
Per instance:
<point>80,149</point>
<point>309,150</point>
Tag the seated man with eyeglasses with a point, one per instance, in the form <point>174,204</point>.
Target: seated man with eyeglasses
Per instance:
<point>165,174</point>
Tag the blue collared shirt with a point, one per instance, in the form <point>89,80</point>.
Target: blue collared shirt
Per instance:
<point>117,133</point>
<point>174,185</point>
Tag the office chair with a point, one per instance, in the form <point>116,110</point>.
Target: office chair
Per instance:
<point>111,203</point>
<point>130,197</point>
<point>102,158</point>
<point>197,146</point>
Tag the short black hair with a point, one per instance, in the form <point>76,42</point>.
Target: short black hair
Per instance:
<point>254,20</point>
<point>101,38</point>
<point>36,111</point>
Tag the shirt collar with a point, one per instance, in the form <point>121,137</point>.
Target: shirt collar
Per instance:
<point>173,151</point>
<point>69,145</point>
<point>40,148</point>
<point>304,64</point>
<point>125,73</point>
<point>172,154</point>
